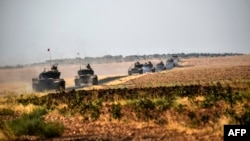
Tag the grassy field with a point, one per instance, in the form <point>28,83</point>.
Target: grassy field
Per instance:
<point>190,102</point>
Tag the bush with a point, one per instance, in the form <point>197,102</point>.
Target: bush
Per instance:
<point>165,103</point>
<point>193,118</point>
<point>90,109</point>
<point>215,93</point>
<point>7,112</point>
<point>33,124</point>
<point>243,119</point>
<point>232,98</point>
<point>116,111</point>
<point>94,111</point>
<point>144,108</point>
<point>146,104</point>
<point>26,101</point>
<point>25,126</point>
<point>53,129</point>
<point>181,108</point>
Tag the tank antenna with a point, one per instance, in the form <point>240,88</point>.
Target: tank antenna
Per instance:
<point>85,63</point>
<point>49,56</point>
<point>79,59</point>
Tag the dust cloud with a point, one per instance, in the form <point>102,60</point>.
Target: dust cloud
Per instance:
<point>20,79</point>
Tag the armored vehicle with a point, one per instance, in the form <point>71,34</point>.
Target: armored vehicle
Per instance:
<point>160,67</point>
<point>86,77</point>
<point>48,80</point>
<point>136,68</point>
<point>148,67</point>
<point>170,63</point>
<point>175,60</point>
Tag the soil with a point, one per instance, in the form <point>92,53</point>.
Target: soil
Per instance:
<point>192,70</point>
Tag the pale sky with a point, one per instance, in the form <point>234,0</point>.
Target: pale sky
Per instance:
<point>120,27</point>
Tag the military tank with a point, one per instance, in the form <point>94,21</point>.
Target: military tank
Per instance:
<point>48,80</point>
<point>86,77</point>
<point>148,67</point>
<point>160,67</point>
<point>135,69</point>
<point>175,60</point>
<point>170,63</point>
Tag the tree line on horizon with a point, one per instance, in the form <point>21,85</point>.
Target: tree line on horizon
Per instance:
<point>119,58</point>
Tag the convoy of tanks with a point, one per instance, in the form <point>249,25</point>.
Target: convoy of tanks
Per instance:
<point>141,68</point>
<point>50,80</point>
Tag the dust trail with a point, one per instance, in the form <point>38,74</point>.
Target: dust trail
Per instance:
<point>20,79</point>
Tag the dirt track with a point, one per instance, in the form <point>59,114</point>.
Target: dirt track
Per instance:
<point>193,70</point>
<point>19,80</point>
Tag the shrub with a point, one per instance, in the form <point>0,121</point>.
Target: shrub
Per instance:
<point>116,111</point>
<point>33,124</point>
<point>53,129</point>
<point>144,108</point>
<point>7,112</point>
<point>63,110</point>
<point>181,108</point>
<point>37,113</point>
<point>218,93</point>
<point>245,118</point>
<point>165,103</point>
<point>161,121</point>
<point>26,101</point>
<point>94,111</point>
<point>193,118</point>
<point>214,95</point>
<point>205,118</point>
<point>89,108</point>
<point>232,98</point>
<point>25,126</point>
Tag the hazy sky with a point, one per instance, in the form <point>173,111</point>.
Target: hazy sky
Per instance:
<point>120,27</point>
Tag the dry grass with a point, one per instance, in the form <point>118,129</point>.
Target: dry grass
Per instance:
<point>234,70</point>
<point>202,71</point>
<point>207,69</point>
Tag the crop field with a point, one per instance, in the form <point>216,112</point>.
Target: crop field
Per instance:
<point>190,102</point>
